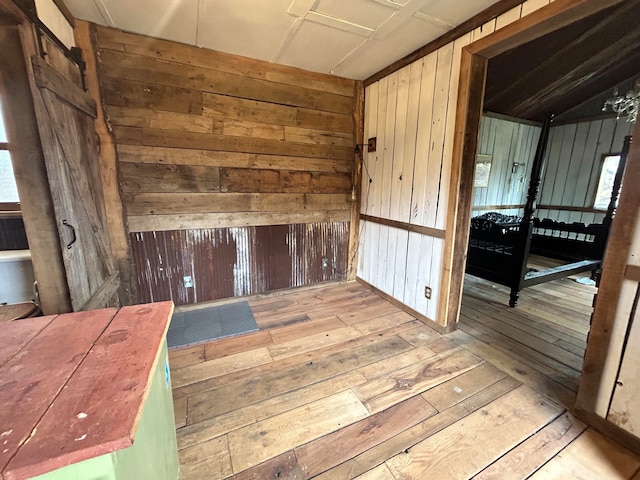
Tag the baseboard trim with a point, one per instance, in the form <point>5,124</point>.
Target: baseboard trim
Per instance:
<point>423,318</point>
<point>607,428</point>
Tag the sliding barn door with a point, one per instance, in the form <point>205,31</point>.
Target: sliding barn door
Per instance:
<point>65,115</point>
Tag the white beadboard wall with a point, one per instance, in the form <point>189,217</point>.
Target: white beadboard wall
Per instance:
<point>573,163</point>
<point>411,112</point>
<point>507,142</point>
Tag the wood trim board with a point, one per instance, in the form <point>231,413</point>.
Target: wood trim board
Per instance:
<point>144,223</point>
<point>356,181</point>
<point>548,19</point>
<point>632,273</point>
<point>423,318</point>
<point>409,227</point>
<point>121,249</point>
<point>609,429</point>
<point>496,207</point>
<point>568,208</point>
<point>473,71</point>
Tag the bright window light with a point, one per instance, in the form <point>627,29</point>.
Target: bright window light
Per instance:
<point>605,184</point>
<point>8,189</point>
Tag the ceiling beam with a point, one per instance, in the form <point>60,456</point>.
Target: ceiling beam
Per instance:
<point>577,81</point>
<point>566,67</point>
<point>567,58</point>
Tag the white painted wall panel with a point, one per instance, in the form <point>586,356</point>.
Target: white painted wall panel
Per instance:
<point>399,152</point>
<point>572,166</point>
<point>421,179</point>
<point>507,142</point>
<point>51,16</point>
<point>447,155</point>
<point>532,5</point>
<point>573,163</point>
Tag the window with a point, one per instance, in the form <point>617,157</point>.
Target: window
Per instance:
<point>605,184</point>
<point>8,189</point>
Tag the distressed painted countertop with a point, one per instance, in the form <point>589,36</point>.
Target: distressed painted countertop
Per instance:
<point>72,386</point>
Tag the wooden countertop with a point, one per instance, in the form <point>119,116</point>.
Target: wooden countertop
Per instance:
<point>72,386</point>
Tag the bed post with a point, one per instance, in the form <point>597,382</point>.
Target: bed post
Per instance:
<point>617,182</point>
<point>600,240</point>
<point>526,226</point>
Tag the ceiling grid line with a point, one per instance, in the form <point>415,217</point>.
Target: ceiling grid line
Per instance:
<point>104,12</point>
<point>349,38</point>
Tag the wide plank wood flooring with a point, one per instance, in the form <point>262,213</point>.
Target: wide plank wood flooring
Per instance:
<point>547,330</point>
<point>341,384</point>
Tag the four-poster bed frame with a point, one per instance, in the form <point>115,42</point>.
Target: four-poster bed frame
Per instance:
<point>499,245</point>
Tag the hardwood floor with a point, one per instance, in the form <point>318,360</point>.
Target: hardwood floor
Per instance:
<point>341,384</point>
<point>547,330</point>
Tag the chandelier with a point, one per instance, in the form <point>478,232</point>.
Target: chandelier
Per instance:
<point>625,104</point>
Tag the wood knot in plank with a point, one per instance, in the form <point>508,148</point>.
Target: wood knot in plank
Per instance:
<point>403,384</point>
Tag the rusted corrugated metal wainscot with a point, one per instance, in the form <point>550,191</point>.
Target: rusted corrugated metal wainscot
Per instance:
<point>227,262</point>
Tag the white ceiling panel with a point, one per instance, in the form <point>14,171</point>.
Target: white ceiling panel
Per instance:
<point>318,47</point>
<point>367,13</point>
<point>252,28</point>
<point>454,15</point>
<point>169,19</point>
<point>356,38</point>
<point>378,53</point>
<point>87,10</point>
<point>334,22</point>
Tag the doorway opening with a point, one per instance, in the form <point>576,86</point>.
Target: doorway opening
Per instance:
<point>534,67</point>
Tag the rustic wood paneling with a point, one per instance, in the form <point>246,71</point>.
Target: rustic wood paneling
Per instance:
<point>226,262</point>
<point>219,158</point>
<point>29,169</point>
<point>142,68</point>
<point>177,156</point>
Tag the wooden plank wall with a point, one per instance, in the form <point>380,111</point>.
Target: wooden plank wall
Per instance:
<point>573,164</point>
<point>212,146</point>
<point>508,142</point>
<point>411,112</point>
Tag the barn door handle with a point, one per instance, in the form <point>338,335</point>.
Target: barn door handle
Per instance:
<point>73,233</point>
